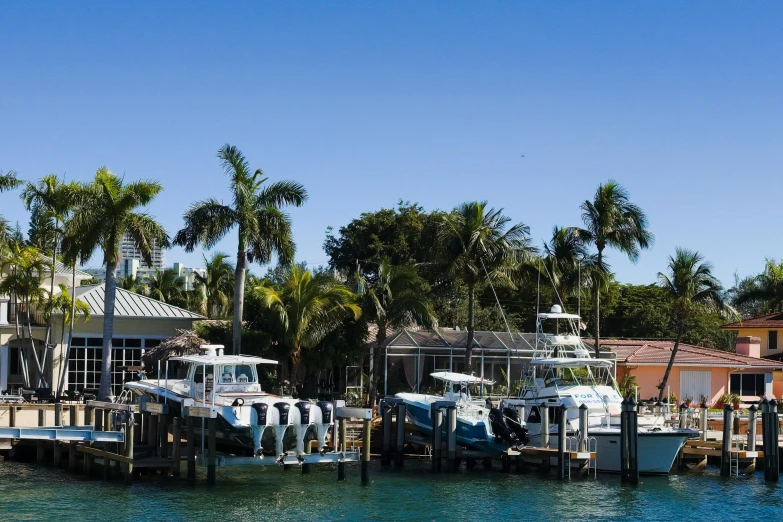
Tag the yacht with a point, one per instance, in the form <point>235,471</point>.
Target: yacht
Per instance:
<point>490,430</point>
<point>563,371</point>
<point>248,418</point>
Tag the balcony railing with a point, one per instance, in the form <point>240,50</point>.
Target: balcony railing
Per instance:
<point>20,309</point>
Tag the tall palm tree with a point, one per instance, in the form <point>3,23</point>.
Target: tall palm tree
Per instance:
<point>564,255</point>
<point>396,298</point>
<point>106,210</point>
<point>23,269</point>
<point>165,285</point>
<point>63,304</point>
<point>475,246</point>
<point>263,229</point>
<point>218,284</point>
<point>690,288</point>
<point>611,220</point>
<point>308,308</point>
<point>764,290</point>
<point>53,199</point>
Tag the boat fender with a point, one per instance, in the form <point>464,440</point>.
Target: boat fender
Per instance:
<point>284,409</point>
<point>261,410</point>
<point>326,411</point>
<point>304,410</point>
<point>515,424</point>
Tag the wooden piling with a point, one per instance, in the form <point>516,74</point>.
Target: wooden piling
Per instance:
<point>175,445</point>
<point>107,420</point>
<point>386,432</point>
<point>703,410</point>
<point>58,414</point>
<point>451,430</point>
<point>725,454</point>
<point>191,448</point>
<point>97,423</point>
<point>129,442</point>
<point>39,444</point>
<point>633,442</point>
<point>71,457</point>
<point>751,444</point>
<point>683,416</point>
<point>73,412</point>
<point>152,433</point>
<point>342,428</point>
<point>89,459</point>
<point>562,428</point>
<point>437,436</point>
<point>772,422</point>
<point>366,430</point>
<point>58,453</point>
<point>399,455</point>
<point>163,434</point>
<point>212,457</point>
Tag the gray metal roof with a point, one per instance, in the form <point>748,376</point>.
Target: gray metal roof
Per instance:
<point>129,304</point>
<point>61,268</point>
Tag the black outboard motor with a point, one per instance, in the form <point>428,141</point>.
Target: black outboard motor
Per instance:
<point>326,411</point>
<point>304,411</point>
<point>283,408</point>
<point>261,410</point>
<point>515,424</point>
<point>500,428</point>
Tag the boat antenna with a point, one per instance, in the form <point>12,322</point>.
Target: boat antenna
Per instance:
<point>579,290</point>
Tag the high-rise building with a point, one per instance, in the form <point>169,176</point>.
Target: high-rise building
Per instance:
<point>128,251</point>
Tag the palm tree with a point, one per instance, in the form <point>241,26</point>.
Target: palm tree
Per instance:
<point>764,290</point>
<point>8,181</point>
<point>395,298</point>
<point>308,308</point>
<point>52,198</point>
<point>62,304</point>
<point>690,288</point>
<point>564,255</point>
<point>475,246</point>
<point>131,283</point>
<point>218,284</point>
<point>165,285</point>
<point>611,220</point>
<point>263,229</point>
<point>106,210</point>
<point>23,279</point>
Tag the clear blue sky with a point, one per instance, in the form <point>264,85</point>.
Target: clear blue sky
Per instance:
<point>369,102</point>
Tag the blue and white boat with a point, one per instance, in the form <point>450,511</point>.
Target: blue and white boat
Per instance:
<point>478,427</point>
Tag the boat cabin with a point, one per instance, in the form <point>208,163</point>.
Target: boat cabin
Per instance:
<point>457,385</point>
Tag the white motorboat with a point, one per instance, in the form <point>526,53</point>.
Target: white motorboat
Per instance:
<point>478,427</point>
<point>562,371</point>
<point>247,416</point>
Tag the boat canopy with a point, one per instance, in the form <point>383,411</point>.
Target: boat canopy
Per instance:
<point>460,377</point>
<point>571,362</point>
<point>558,315</point>
<point>223,359</point>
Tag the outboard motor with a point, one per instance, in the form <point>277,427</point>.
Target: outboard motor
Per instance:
<point>302,425</point>
<point>514,423</point>
<point>284,410</point>
<point>326,409</point>
<point>258,427</point>
<point>500,428</point>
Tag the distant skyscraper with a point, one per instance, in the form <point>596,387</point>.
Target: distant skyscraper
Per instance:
<point>129,251</point>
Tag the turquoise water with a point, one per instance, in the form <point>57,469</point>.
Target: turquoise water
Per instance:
<point>413,494</point>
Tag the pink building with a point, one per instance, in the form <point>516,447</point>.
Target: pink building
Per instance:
<point>698,371</point>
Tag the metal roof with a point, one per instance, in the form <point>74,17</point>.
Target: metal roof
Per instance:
<point>61,268</point>
<point>129,304</point>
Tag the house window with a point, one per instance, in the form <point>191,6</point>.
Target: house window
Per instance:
<point>772,339</point>
<point>747,384</point>
<point>14,361</point>
<point>84,367</point>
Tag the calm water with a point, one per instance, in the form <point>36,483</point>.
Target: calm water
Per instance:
<point>411,495</point>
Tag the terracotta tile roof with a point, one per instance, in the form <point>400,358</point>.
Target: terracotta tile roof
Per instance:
<point>653,352</point>
<point>762,321</point>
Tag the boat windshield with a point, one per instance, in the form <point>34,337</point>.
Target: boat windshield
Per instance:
<point>236,374</point>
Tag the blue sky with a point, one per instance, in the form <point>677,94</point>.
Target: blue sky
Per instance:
<point>366,103</point>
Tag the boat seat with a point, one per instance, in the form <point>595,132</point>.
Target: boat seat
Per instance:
<point>242,378</point>
<point>227,378</point>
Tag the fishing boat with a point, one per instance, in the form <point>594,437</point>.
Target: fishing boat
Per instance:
<point>563,371</point>
<point>490,430</point>
<point>247,417</point>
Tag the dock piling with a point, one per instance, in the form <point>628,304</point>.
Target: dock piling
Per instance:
<point>703,421</point>
<point>725,454</point>
<point>72,457</point>
<point>583,427</point>
<point>544,435</point>
<point>73,412</point>
<point>437,436</point>
<point>562,427</point>
<point>88,415</point>
<point>366,451</point>
<point>191,448</point>
<point>386,431</point>
<point>212,457</point>
<point>163,434</point>
<point>633,442</point>
<point>772,432</point>
<point>58,414</point>
<point>751,444</point>
<point>683,416</point>
<point>399,455</point>
<point>129,441</point>
<point>176,440</point>
<point>39,444</point>
<point>451,427</point>
<point>342,429</point>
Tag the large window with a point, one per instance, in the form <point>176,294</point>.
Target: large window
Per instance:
<point>772,338</point>
<point>84,367</point>
<point>747,384</point>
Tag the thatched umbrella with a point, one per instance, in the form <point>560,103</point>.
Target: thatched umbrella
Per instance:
<point>186,342</point>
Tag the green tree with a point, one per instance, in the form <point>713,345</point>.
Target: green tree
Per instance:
<point>106,210</point>
<point>165,286</point>
<point>133,284</point>
<point>62,304</point>
<point>8,181</point>
<point>564,255</point>
<point>23,279</point>
<point>308,307</point>
<point>762,293</point>
<point>689,286</point>
<point>475,246</point>
<point>218,284</point>
<point>611,220</point>
<point>263,229</point>
<point>397,298</point>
